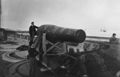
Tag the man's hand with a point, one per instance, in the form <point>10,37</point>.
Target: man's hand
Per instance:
<point>85,75</point>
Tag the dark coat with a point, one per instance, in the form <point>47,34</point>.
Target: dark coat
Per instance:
<point>95,66</point>
<point>32,30</point>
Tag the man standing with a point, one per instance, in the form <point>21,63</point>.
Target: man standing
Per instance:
<point>32,31</point>
<point>32,52</point>
<point>113,39</point>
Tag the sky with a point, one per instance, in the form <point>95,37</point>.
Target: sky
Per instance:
<point>93,16</point>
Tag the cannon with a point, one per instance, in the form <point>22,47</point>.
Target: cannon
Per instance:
<point>55,33</point>
<point>51,44</point>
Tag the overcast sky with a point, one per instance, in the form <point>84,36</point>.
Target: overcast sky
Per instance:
<point>90,15</point>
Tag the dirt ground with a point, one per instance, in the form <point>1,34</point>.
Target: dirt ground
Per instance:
<point>9,46</point>
<point>111,55</point>
<point>3,65</point>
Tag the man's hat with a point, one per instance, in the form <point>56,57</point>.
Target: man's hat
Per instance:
<point>32,22</point>
<point>114,33</point>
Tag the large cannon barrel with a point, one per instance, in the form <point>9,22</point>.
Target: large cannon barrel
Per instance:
<point>55,33</point>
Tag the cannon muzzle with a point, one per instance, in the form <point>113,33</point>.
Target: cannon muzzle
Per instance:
<point>55,33</point>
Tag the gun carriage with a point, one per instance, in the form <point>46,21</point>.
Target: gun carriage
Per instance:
<point>51,44</point>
